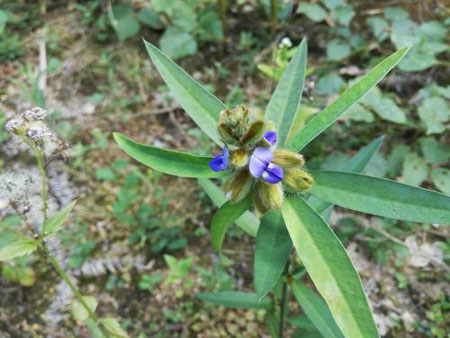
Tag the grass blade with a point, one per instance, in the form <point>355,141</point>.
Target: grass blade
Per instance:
<point>202,106</point>
<point>167,161</point>
<point>352,95</point>
<point>286,98</point>
<point>235,299</point>
<point>330,269</point>
<point>273,245</point>
<point>382,197</point>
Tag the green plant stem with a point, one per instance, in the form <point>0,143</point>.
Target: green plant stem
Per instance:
<point>283,301</point>
<point>274,14</point>
<point>222,4</point>
<point>40,158</point>
<point>72,286</point>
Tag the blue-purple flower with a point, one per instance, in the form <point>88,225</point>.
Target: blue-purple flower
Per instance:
<point>261,166</point>
<point>220,162</point>
<point>271,137</point>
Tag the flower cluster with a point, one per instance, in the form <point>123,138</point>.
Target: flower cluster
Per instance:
<point>258,167</point>
<point>30,126</point>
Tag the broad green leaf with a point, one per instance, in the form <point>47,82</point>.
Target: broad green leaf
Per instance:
<point>177,42</point>
<point>313,11</point>
<point>56,222</point>
<point>248,221</point>
<point>338,50</point>
<point>227,214</point>
<point>356,164</point>
<point>441,179</point>
<point>316,310</point>
<point>352,95</point>
<point>330,269</point>
<point>20,247</point>
<point>273,245</point>
<point>78,310</point>
<point>235,299</point>
<point>203,107</point>
<point>167,161</point>
<point>434,151</point>
<point>286,98</point>
<point>381,197</point>
<point>434,113</point>
<point>415,170</point>
<point>113,327</point>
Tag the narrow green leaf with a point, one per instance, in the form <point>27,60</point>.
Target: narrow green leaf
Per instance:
<point>330,269</point>
<point>56,222</point>
<point>316,310</point>
<point>247,221</point>
<point>352,95</point>
<point>167,161</point>
<point>202,106</point>
<point>356,164</point>
<point>381,197</point>
<point>286,98</point>
<point>78,310</point>
<point>112,325</point>
<point>227,214</point>
<point>20,247</point>
<point>273,245</point>
<point>235,299</point>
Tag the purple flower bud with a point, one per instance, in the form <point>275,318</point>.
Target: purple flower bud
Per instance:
<point>271,137</point>
<point>260,166</point>
<point>220,162</point>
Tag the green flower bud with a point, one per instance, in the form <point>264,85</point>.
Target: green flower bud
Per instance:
<point>254,133</point>
<point>287,159</point>
<point>268,197</point>
<point>238,157</point>
<point>297,180</point>
<point>239,186</point>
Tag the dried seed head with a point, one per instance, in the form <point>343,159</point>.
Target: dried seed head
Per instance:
<point>287,159</point>
<point>35,114</point>
<point>15,126</point>
<point>297,180</point>
<point>35,133</point>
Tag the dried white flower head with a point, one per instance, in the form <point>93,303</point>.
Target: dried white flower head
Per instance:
<point>35,114</point>
<point>14,125</point>
<point>285,42</point>
<point>35,133</point>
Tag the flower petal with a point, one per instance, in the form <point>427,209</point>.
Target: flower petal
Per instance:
<point>271,137</point>
<point>220,162</point>
<point>273,174</point>
<point>259,161</point>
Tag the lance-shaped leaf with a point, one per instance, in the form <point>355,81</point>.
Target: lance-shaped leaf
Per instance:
<point>202,106</point>
<point>356,164</point>
<point>248,221</point>
<point>227,214</point>
<point>56,222</point>
<point>167,161</point>
<point>235,299</point>
<point>316,310</point>
<point>20,247</point>
<point>286,98</point>
<point>273,245</point>
<point>352,95</point>
<point>330,269</point>
<point>382,197</point>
